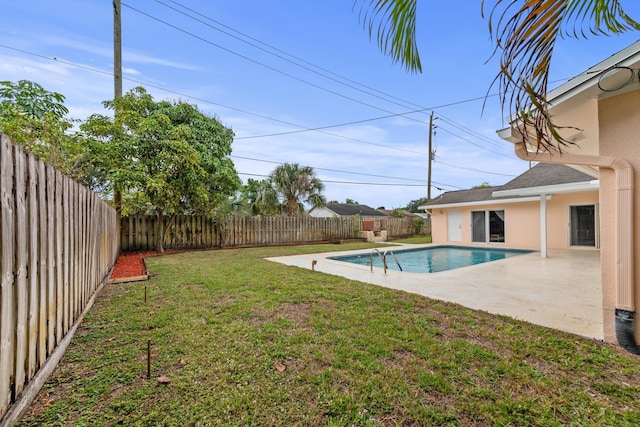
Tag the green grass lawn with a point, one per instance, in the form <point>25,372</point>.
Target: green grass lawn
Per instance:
<point>244,341</point>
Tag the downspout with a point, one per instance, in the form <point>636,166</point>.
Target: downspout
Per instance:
<point>625,303</point>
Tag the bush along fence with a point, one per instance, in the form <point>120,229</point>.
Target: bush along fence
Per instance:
<point>57,248</point>
<point>184,232</point>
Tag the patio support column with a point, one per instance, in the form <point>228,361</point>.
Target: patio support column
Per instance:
<point>543,225</point>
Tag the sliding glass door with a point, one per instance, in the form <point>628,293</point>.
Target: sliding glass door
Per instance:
<point>583,226</point>
<point>487,226</point>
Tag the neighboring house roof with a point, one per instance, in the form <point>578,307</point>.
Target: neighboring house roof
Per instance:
<point>349,209</point>
<point>541,178</point>
<point>405,213</point>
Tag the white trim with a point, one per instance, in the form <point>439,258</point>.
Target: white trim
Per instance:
<point>482,203</point>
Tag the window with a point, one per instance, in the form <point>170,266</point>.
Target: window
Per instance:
<point>487,226</point>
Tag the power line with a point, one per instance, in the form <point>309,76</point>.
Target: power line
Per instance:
<point>473,143</point>
<point>277,55</point>
<point>331,170</point>
<point>474,170</point>
<point>106,73</point>
<point>363,183</point>
<point>203,39</point>
<point>91,69</point>
<point>469,131</point>
<point>291,76</point>
<point>403,102</point>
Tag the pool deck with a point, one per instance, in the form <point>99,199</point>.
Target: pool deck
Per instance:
<point>562,291</point>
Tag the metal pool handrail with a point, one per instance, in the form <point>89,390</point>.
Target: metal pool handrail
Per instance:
<point>384,257</point>
<point>381,258</point>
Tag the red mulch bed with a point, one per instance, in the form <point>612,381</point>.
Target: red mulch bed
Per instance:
<point>131,264</point>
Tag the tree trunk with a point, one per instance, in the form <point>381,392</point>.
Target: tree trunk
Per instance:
<point>117,202</point>
<point>160,230</point>
<point>292,207</point>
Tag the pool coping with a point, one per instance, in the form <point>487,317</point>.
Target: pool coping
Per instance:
<point>562,291</point>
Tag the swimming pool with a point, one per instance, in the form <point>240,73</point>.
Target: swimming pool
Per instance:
<point>432,259</point>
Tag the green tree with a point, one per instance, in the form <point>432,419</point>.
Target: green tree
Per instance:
<point>412,206</point>
<point>166,156</point>
<point>267,202</point>
<point>398,213</point>
<point>259,198</point>
<point>295,185</point>
<point>485,184</point>
<point>35,118</point>
<point>524,33</point>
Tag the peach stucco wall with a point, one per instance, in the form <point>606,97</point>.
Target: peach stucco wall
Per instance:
<point>619,118</point>
<point>522,221</point>
<point>580,120</point>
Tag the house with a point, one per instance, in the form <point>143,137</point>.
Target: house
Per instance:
<point>346,209</point>
<point>508,215</point>
<point>597,111</point>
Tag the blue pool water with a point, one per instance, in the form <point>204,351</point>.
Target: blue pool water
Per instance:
<point>433,259</point>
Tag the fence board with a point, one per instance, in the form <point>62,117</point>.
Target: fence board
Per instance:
<point>50,268</point>
<point>42,271</point>
<point>20,268</point>
<point>7,233</point>
<point>58,217</point>
<point>32,265</point>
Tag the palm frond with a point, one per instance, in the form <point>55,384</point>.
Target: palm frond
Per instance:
<point>526,33</point>
<point>393,24</point>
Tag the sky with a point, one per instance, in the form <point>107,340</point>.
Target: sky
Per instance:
<point>298,82</point>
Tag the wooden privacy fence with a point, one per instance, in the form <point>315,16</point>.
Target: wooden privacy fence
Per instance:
<point>181,232</point>
<point>57,248</point>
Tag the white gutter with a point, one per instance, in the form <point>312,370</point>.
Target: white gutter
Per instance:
<point>625,286</point>
<point>482,203</point>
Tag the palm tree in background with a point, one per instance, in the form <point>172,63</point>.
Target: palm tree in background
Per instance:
<point>296,184</point>
<point>524,33</point>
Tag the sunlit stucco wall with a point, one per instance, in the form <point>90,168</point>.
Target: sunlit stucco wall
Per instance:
<point>522,221</point>
<point>579,119</point>
<point>619,118</point>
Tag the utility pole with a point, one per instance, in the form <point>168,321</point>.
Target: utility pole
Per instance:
<point>430,157</point>
<point>117,92</point>
<point>117,50</point>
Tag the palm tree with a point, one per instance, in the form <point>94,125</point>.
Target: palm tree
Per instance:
<point>524,33</point>
<point>266,201</point>
<point>295,184</point>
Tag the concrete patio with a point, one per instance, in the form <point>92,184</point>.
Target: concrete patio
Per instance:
<point>562,291</point>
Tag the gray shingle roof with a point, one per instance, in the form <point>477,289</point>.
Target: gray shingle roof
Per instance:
<point>542,174</point>
<point>345,209</point>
